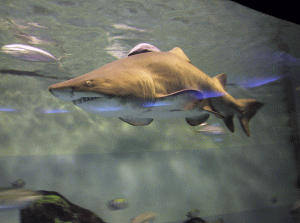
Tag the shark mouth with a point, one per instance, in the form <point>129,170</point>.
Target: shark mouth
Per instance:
<point>83,99</point>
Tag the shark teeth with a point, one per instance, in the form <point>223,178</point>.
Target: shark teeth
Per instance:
<point>83,99</point>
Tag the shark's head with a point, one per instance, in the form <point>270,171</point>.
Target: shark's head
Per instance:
<point>104,91</point>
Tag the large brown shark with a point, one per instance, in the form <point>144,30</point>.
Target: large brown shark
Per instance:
<point>152,84</point>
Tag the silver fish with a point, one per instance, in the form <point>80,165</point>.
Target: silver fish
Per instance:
<point>29,53</point>
<point>11,199</point>
<point>212,129</point>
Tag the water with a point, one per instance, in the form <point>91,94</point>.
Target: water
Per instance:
<point>165,167</point>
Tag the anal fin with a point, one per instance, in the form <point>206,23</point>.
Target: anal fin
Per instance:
<point>229,122</point>
<point>137,121</point>
<point>197,120</point>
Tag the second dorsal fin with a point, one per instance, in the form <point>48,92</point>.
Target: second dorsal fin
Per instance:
<point>179,52</point>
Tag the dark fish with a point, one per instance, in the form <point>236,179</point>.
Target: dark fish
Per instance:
<point>29,73</point>
<point>118,204</point>
<point>193,213</point>
<point>18,184</point>
<point>274,199</point>
<point>296,207</point>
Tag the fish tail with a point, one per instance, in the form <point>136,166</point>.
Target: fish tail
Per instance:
<point>248,108</point>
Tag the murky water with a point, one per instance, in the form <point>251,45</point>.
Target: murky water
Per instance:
<point>166,167</point>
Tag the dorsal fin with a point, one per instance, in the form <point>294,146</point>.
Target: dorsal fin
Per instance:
<point>222,78</point>
<point>178,52</point>
<point>143,48</point>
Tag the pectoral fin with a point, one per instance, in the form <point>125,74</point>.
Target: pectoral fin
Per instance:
<point>137,121</point>
<point>180,101</point>
<point>197,120</point>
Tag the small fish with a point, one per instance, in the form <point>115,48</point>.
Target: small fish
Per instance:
<point>126,27</point>
<point>296,207</point>
<point>193,213</point>
<point>274,199</point>
<point>34,40</point>
<point>29,53</point>
<point>118,204</point>
<point>147,217</point>
<point>213,129</point>
<point>18,184</point>
<point>11,199</point>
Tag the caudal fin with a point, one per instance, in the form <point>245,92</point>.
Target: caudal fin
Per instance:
<point>248,108</point>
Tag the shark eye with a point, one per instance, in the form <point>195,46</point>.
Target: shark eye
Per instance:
<point>88,83</point>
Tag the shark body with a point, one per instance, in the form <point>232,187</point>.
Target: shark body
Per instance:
<point>151,84</point>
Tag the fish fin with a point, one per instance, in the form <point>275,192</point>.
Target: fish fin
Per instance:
<point>197,120</point>
<point>222,78</point>
<point>143,48</point>
<point>137,121</point>
<point>249,107</point>
<point>179,52</point>
<point>207,107</point>
<point>183,100</point>
<point>229,122</point>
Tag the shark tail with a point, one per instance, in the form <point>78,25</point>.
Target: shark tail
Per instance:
<point>248,108</point>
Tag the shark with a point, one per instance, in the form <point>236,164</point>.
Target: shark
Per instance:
<point>150,84</point>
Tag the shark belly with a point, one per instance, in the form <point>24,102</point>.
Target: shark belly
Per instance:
<point>110,108</point>
<point>159,111</point>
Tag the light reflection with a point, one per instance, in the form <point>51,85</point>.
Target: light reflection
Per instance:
<point>8,110</point>
<point>49,111</point>
<point>255,82</point>
<point>261,81</point>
